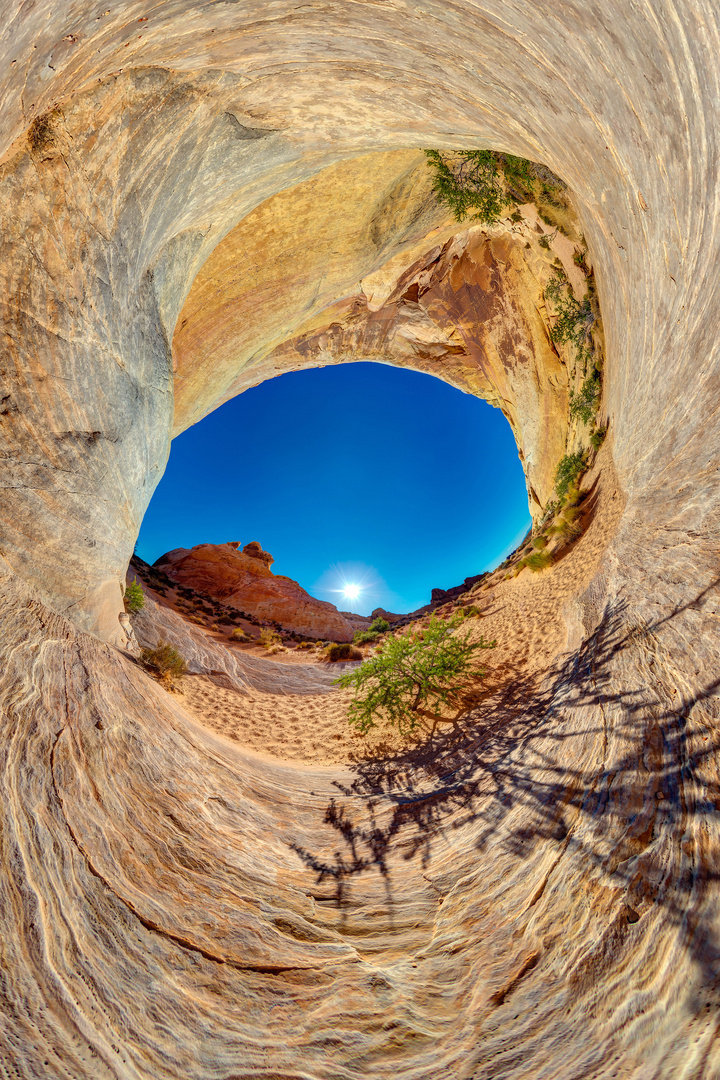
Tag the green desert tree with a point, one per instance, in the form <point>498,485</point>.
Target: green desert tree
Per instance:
<point>134,598</point>
<point>469,183</point>
<point>414,675</point>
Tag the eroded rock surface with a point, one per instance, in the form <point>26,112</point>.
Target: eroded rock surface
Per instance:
<point>244,580</point>
<point>545,906</point>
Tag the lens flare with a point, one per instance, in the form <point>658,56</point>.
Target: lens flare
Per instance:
<point>353,584</point>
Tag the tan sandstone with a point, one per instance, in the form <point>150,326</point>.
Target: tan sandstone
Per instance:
<point>543,904</point>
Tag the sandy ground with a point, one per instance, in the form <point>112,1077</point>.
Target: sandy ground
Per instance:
<point>523,614</point>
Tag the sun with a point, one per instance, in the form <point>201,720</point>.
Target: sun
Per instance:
<point>351,592</point>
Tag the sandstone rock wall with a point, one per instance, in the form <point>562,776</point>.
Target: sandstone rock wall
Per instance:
<point>173,907</point>
<point>244,580</point>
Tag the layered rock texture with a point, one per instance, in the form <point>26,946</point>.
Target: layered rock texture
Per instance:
<point>243,579</point>
<point>172,906</point>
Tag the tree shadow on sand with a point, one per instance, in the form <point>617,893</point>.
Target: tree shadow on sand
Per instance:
<point>647,782</point>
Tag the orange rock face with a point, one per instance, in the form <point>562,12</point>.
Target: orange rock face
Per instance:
<point>244,580</point>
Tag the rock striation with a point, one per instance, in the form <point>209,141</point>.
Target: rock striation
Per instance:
<point>545,906</point>
<point>243,579</point>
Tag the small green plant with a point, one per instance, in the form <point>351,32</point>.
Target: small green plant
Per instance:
<point>539,560</point>
<point>584,404</point>
<point>518,172</point>
<point>339,651</point>
<point>413,675</point>
<point>540,542</point>
<point>573,318</point>
<point>569,469</point>
<point>239,634</point>
<point>546,240</point>
<point>579,260</point>
<point>566,530</point>
<point>516,217</point>
<point>134,598</point>
<point>165,663</point>
<point>598,437</point>
<point>573,494</point>
<point>469,183</point>
<point>377,626</point>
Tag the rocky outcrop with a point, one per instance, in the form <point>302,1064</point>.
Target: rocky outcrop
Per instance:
<point>244,580</point>
<point>545,905</point>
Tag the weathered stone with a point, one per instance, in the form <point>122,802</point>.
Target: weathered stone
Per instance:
<point>172,906</point>
<point>244,580</point>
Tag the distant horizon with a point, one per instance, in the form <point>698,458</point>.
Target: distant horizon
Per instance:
<point>358,474</point>
<point>349,611</point>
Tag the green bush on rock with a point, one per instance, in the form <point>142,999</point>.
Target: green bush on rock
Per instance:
<point>165,663</point>
<point>134,598</point>
<point>377,626</point>
<point>413,675</point>
<point>339,651</point>
<point>569,468</point>
<point>469,183</point>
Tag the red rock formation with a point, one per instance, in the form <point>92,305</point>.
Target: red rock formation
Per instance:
<point>243,579</point>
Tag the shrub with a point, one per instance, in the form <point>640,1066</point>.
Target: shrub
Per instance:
<point>134,598</point>
<point>567,530</point>
<point>573,318</point>
<point>377,626</point>
<point>338,651</point>
<point>598,437</point>
<point>573,495</point>
<point>411,674</point>
<point>584,404</point>
<point>268,638</point>
<point>518,171</point>
<point>579,260</point>
<point>540,560</point>
<point>540,542</point>
<point>569,468</point>
<point>239,634</point>
<point>468,183</point>
<point>165,663</point>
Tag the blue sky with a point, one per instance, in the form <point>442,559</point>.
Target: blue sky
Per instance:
<point>360,473</point>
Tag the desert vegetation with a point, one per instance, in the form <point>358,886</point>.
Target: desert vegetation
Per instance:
<point>377,627</point>
<point>415,675</point>
<point>166,664</point>
<point>341,651</point>
<point>134,598</point>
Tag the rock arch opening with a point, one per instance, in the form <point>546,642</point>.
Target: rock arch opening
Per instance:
<point>360,472</point>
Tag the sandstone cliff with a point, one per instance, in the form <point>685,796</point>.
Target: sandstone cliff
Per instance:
<point>171,905</point>
<point>243,579</point>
